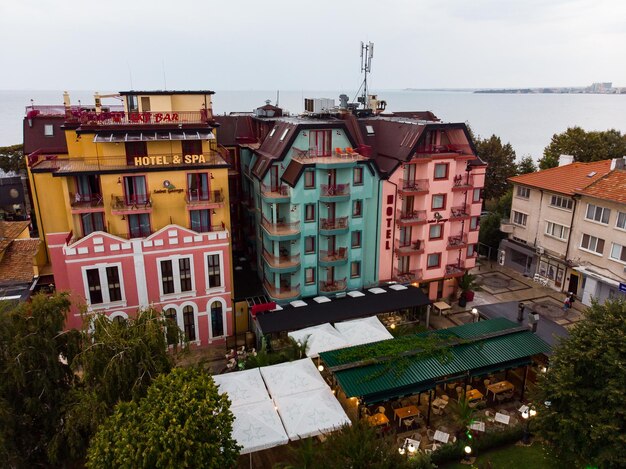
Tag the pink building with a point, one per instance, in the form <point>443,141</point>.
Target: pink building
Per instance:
<point>431,199</point>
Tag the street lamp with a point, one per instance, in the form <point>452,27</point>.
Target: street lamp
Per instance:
<point>468,451</point>
<point>407,447</point>
<point>520,312</point>
<point>475,315</point>
<point>527,415</point>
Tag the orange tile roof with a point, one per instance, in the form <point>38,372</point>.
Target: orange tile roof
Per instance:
<point>565,179</point>
<point>17,263</point>
<point>610,187</point>
<point>9,230</point>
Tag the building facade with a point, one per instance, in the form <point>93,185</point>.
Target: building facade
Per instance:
<point>136,213</point>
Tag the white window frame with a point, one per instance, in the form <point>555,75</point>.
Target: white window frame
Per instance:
<point>592,220</point>
<point>104,285</point>
<point>550,232</point>
<point>525,215</point>
<point>181,319</point>
<point>47,127</point>
<point>209,288</point>
<point>560,201</point>
<point>117,314</point>
<point>176,274</point>
<point>622,214</point>
<point>208,312</point>
<point>521,190</point>
<point>588,249</point>
<point>617,259</point>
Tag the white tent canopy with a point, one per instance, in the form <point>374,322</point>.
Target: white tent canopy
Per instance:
<point>363,331</point>
<point>292,378</point>
<point>311,413</point>
<point>320,338</point>
<point>257,426</point>
<point>242,387</point>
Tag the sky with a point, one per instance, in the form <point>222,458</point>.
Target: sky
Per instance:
<point>293,45</point>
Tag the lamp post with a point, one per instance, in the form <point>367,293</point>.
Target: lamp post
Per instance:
<point>407,449</point>
<point>527,415</point>
<point>474,315</point>
<point>467,451</point>
<point>520,312</point>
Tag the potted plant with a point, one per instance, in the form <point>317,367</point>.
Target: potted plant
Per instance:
<point>466,284</point>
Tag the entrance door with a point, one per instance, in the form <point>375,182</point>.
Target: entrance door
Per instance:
<point>573,284</point>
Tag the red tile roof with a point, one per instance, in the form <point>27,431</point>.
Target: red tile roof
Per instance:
<point>16,264</point>
<point>610,187</point>
<point>565,179</point>
<point>9,230</point>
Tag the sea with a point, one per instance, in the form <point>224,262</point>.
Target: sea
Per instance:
<point>526,121</point>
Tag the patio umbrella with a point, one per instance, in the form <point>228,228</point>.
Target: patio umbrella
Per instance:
<point>363,331</point>
<point>320,338</point>
<point>242,387</point>
<point>292,378</point>
<point>257,426</point>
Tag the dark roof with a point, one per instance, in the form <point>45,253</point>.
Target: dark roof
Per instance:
<point>340,309</point>
<point>421,115</point>
<point>292,172</point>
<point>234,129</point>
<point>166,92</point>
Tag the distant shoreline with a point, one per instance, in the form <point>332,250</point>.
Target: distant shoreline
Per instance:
<point>556,90</point>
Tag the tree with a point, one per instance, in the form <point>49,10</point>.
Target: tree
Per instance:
<point>501,165</point>
<point>580,399</point>
<point>490,233</point>
<point>526,165</point>
<point>12,158</point>
<point>583,146</point>
<point>35,377</point>
<point>182,422</point>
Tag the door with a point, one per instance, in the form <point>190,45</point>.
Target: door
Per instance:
<point>274,184</point>
<point>332,178</point>
<point>573,284</point>
<point>331,212</point>
<point>407,205</point>
<point>330,275</point>
<point>409,173</point>
<point>192,147</point>
<point>332,241</point>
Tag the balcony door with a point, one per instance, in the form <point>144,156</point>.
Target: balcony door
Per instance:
<point>403,265</point>
<point>409,172</point>
<point>331,212</point>
<point>88,187</point>
<point>198,186</point>
<point>408,203</point>
<point>405,236</point>
<point>274,181</point>
<point>135,149</point>
<point>332,245</point>
<point>192,147</point>
<point>332,178</point>
<point>330,275</point>
<point>135,191</point>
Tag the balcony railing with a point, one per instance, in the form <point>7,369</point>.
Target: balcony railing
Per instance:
<point>282,261</point>
<point>339,254</point>
<point>336,190</point>
<point>282,292</point>
<point>414,186</point>
<point>413,247</point>
<point>462,149</point>
<point>139,118</point>
<point>281,228</point>
<point>460,212</point>
<point>130,203</point>
<point>200,197</point>
<point>86,201</point>
<point>463,182</point>
<point>506,226</point>
<point>337,156</point>
<point>408,217</point>
<point>457,242</point>
<point>407,276</point>
<point>333,286</point>
<point>275,191</point>
<point>340,223</point>
<point>134,235</point>
<point>209,228</point>
<point>454,270</point>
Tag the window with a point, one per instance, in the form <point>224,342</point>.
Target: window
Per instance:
<point>197,184</point>
<point>438,202</point>
<point>145,103</point>
<point>184,270</point>
<point>309,179</point>
<point>471,250</point>
<point>320,142</point>
<point>113,281</point>
<point>213,271</point>
<point>135,190</point>
<point>200,220</point>
<point>171,326</point>
<point>476,195</point>
<point>176,275</point>
<point>355,269</point>
<point>93,284</point>
<point>561,202</point>
<point>309,212</point>
<point>167,277</point>
<point>92,222</point>
<point>523,192</point>
<point>48,130</point>
<point>134,150</point>
<point>103,284</point>
<point>272,133</point>
<point>217,319</point>
<point>309,244</point>
<point>618,252</point>
<point>434,260</point>
<point>357,176</point>
<point>474,223</point>
<point>357,208</point>
<point>356,239</point>
<point>593,244</point>
<point>189,323</point>
<point>139,225</point>
<point>599,214</point>
<point>369,129</point>
<point>309,275</point>
<point>132,104</point>
<point>435,231</point>
<point>621,221</point>
<point>557,231</point>
<point>441,171</point>
<point>285,132</point>
<point>520,218</point>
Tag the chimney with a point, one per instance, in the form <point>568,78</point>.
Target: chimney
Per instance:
<point>98,102</point>
<point>618,163</point>
<point>565,159</point>
<point>67,105</point>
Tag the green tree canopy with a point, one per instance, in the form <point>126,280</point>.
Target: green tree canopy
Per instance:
<point>490,233</point>
<point>581,403</point>
<point>526,165</point>
<point>12,158</point>
<point>182,422</point>
<point>34,377</point>
<point>583,146</point>
<point>501,165</point>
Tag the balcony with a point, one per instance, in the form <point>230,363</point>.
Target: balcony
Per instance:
<point>331,258</point>
<point>121,204</point>
<point>284,292</point>
<point>455,270</point>
<point>282,263</point>
<point>459,149</point>
<point>333,286</point>
<point>457,242</point>
<point>84,203</point>
<point>341,157</point>
<point>459,213</point>
<point>506,226</point>
<point>333,226</point>
<point>275,194</point>
<point>408,277</point>
<point>414,187</point>
<point>121,118</point>
<point>281,230</point>
<point>409,249</point>
<point>335,193</point>
<point>197,199</point>
<point>412,217</point>
<point>463,183</point>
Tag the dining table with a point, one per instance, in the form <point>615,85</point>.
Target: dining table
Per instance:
<point>439,403</point>
<point>473,395</point>
<point>377,420</point>
<point>499,387</point>
<point>441,436</point>
<point>406,412</point>
<point>441,306</point>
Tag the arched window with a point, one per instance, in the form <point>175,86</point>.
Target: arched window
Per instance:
<point>171,325</point>
<point>217,319</point>
<point>189,323</point>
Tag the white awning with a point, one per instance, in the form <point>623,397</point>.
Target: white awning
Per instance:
<point>595,272</point>
<point>242,387</point>
<point>109,137</point>
<point>363,331</point>
<point>292,378</point>
<point>257,426</point>
<point>319,339</point>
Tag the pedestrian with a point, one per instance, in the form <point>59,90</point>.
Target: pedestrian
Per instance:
<point>571,300</point>
<point>566,304</point>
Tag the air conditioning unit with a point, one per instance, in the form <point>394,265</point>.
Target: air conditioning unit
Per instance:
<point>540,250</point>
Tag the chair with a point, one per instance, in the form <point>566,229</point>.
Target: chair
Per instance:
<point>487,382</point>
<point>408,422</point>
<point>500,397</point>
<point>349,150</point>
<point>395,405</point>
<point>381,410</point>
<point>445,398</point>
<point>437,411</point>
<point>338,151</point>
<point>232,363</point>
<point>430,434</point>
<point>405,402</point>
<point>365,412</point>
<point>468,387</point>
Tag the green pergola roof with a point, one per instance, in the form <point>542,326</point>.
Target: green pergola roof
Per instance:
<point>495,344</point>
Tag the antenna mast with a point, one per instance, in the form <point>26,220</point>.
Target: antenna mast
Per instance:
<point>367,53</point>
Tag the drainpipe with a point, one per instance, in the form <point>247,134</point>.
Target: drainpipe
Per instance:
<point>569,238</point>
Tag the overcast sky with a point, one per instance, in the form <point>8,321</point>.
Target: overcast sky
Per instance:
<point>296,44</point>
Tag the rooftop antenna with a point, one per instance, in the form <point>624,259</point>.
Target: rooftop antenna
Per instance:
<point>130,74</point>
<point>367,53</point>
<point>277,97</point>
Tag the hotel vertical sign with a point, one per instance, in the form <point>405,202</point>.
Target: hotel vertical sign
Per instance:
<point>389,221</point>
